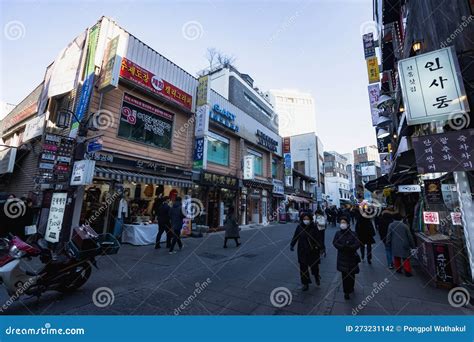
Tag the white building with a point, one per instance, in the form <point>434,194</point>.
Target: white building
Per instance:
<point>295,110</point>
<point>351,172</point>
<point>336,178</point>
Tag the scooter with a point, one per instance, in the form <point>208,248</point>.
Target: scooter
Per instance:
<point>64,272</point>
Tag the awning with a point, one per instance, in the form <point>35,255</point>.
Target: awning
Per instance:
<point>405,177</point>
<point>258,183</point>
<point>297,199</point>
<point>377,183</point>
<point>122,175</point>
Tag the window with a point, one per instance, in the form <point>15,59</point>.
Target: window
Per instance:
<point>256,105</point>
<point>257,162</point>
<point>274,168</point>
<point>218,149</point>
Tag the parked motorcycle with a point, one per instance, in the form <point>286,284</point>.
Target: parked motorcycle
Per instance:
<point>65,271</point>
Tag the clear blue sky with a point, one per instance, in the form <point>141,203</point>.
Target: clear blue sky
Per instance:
<point>314,46</point>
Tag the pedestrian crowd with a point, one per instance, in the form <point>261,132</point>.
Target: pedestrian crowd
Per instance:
<point>353,245</point>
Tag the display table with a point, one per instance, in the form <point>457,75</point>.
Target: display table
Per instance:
<point>141,234</point>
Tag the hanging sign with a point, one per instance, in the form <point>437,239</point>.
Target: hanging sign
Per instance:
<point>430,217</point>
<point>373,69</point>
<point>409,188</point>
<point>56,215</point>
<point>432,86</point>
<point>249,171</point>
<point>369,45</point>
<point>374,94</point>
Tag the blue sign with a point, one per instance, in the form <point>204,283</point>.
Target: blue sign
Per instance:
<point>94,145</point>
<point>198,153</point>
<point>85,96</point>
<point>224,117</point>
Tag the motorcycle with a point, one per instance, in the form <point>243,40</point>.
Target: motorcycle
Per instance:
<point>65,271</point>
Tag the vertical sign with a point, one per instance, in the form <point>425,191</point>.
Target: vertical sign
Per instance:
<point>110,67</point>
<point>198,159</point>
<point>369,46</point>
<point>374,94</point>
<point>56,215</point>
<point>287,161</point>
<point>249,171</point>
<point>373,69</point>
<point>203,91</point>
<point>432,86</point>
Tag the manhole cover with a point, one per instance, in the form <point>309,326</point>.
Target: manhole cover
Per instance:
<point>212,256</point>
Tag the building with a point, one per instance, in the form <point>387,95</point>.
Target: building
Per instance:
<point>5,108</point>
<point>366,161</point>
<point>422,101</point>
<point>351,173</point>
<point>336,179</point>
<point>295,109</point>
<point>307,154</point>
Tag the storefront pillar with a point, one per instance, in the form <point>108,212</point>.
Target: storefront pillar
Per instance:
<point>467,213</point>
<point>243,206</point>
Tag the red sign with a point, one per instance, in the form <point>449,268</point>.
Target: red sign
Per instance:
<point>144,78</point>
<point>286,145</point>
<point>430,217</point>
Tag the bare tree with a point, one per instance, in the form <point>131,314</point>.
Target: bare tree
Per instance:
<point>211,56</point>
<point>225,60</point>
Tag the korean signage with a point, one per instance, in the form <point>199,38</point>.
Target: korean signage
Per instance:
<point>442,261</point>
<point>288,164</point>
<point>432,86</point>
<point>286,145</point>
<point>111,67</point>
<point>56,215</point>
<point>373,69</point>
<point>433,193</point>
<point>456,219</point>
<point>278,187</point>
<point>430,217</point>
<point>267,142</point>
<point>145,123</point>
<point>202,120</point>
<point>369,45</point>
<point>144,78</point>
<point>409,188</point>
<point>374,94</point>
<point>83,172</point>
<point>221,181</point>
<point>446,152</point>
<point>249,172</point>
<point>95,145</point>
<point>203,91</point>
<point>198,159</point>
<point>224,117</point>
<point>34,128</point>
<point>55,159</point>
<point>83,103</point>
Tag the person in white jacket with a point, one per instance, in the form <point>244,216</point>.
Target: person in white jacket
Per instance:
<point>122,213</point>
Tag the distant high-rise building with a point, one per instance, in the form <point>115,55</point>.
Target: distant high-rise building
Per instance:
<point>366,167</point>
<point>295,110</point>
<point>336,179</point>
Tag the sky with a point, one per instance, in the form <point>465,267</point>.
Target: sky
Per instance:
<point>314,46</point>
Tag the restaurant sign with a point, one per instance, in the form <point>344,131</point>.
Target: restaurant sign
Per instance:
<point>221,181</point>
<point>266,141</point>
<point>432,87</point>
<point>446,152</point>
<point>144,78</point>
<point>373,69</point>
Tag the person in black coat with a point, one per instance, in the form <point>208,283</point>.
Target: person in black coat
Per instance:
<point>382,223</point>
<point>365,233</point>
<point>176,217</point>
<point>162,213</point>
<point>347,244</point>
<point>310,247</point>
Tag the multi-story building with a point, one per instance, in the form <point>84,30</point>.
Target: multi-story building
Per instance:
<point>423,106</point>
<point>366,161</point>
<point>351,173</point>
<point>295,109</point>
<point>336,179</point>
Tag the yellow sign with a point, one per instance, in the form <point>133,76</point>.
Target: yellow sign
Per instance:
<point>203,91</point>
<point>373,69</point>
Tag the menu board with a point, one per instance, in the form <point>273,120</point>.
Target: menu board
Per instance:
<point>446,152</point>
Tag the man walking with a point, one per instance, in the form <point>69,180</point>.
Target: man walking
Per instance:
<point>176,216</point>
<point>164,223</point>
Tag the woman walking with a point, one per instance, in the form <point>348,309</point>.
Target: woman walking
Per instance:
<point>310,247</point>
<point>365,233</point>
<point>347,244</point>
<point>400,240</point>
<point>231,228</point>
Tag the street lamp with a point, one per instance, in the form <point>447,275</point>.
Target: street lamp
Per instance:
<point>416,46</point>
<point>63,118</point>
<point>383,121</point>
<point>382,133</point>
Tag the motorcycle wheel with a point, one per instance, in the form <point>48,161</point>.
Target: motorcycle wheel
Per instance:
<point>79,278</point>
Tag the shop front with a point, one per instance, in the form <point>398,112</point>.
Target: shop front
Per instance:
<point>278,202</point>
<point>256,194</point>
<point>215,194</point>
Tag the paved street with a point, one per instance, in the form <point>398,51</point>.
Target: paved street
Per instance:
<point>239,281</point>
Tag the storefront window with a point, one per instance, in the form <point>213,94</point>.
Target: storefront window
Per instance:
<point>257,162</point>
<point>274,168</point>
<point>218,149</point>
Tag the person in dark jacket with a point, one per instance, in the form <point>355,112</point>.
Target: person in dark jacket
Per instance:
<point>365,233</point>
<point>400,239</point>
<point>310,247</point>
<point>176,217</point>
<point>162,213</point>
<point>231,228</point>
<point>347,244</point>
<point>382,222</point>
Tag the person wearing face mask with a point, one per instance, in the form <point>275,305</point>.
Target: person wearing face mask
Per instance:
<point>309,249</point>
<point>347,244</point>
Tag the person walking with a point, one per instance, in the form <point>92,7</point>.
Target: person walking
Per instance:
<point>176,218</point>
<point>309,250</point>
<point>164,222</point>
<point>382,223</point>
<point>365,233</point>
<point>347,244</point>
<point>231,228</point>
<point>400,240</point>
